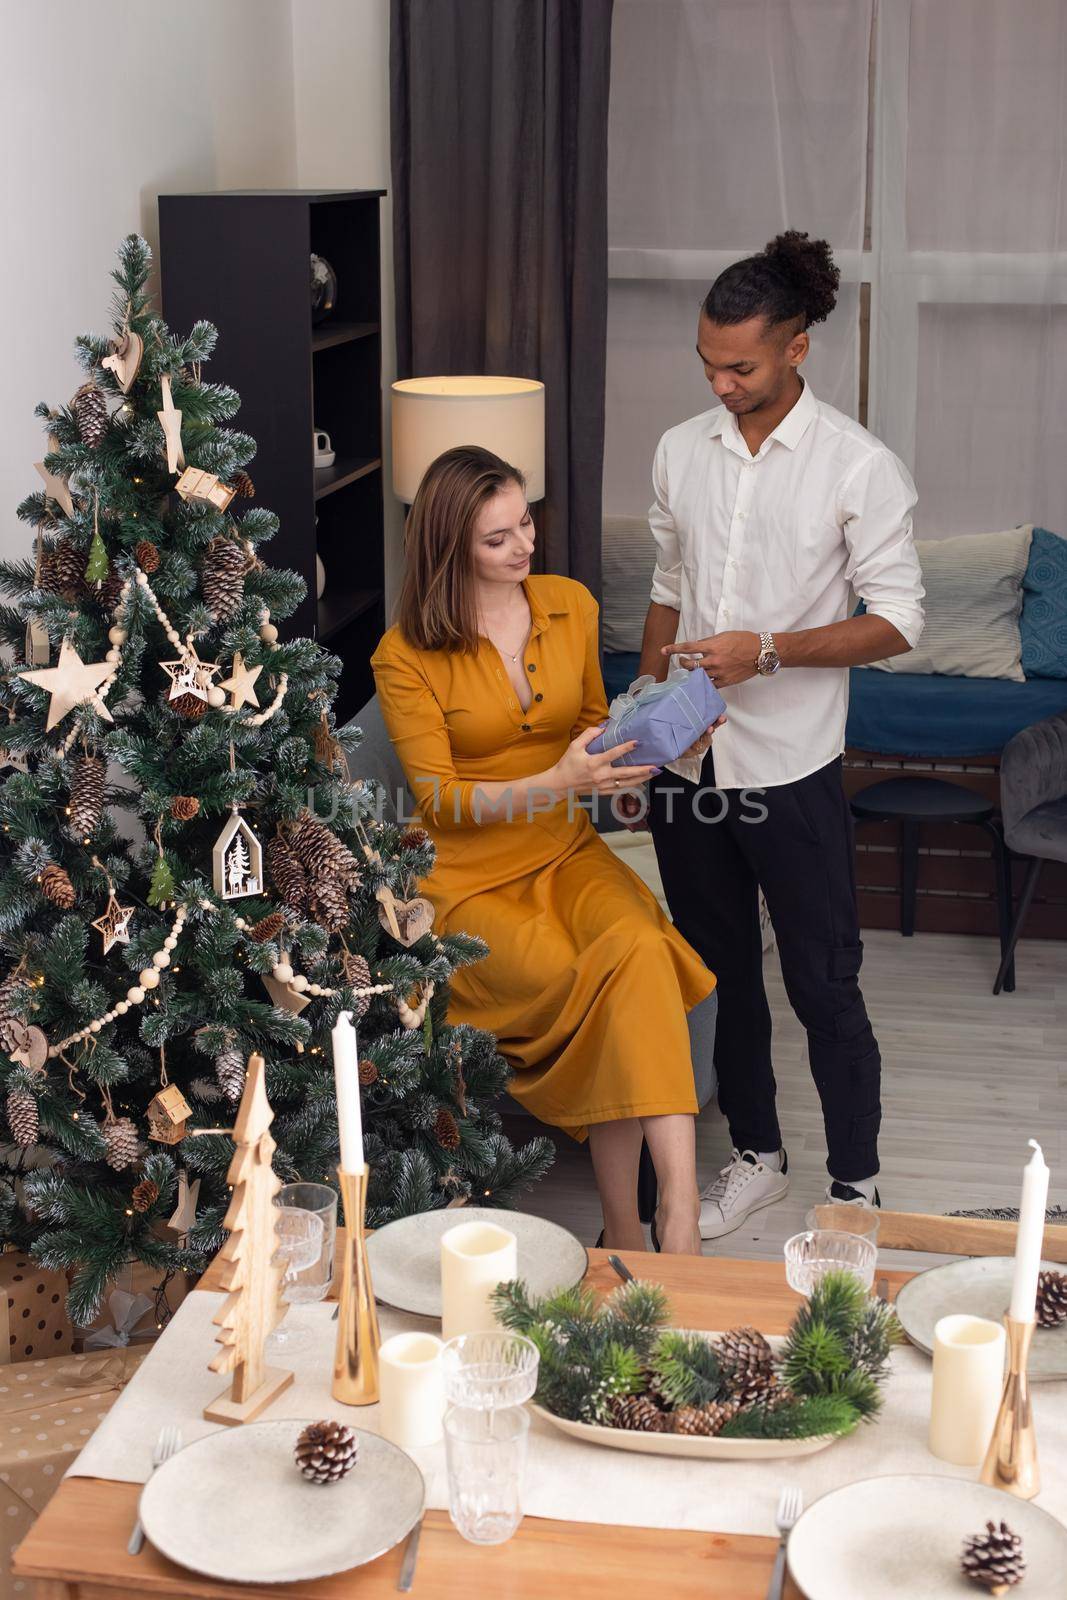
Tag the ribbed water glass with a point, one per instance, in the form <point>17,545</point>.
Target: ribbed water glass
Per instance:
<point>486,1455</point>
<point>489,1371</point>
<point>810,1256</point>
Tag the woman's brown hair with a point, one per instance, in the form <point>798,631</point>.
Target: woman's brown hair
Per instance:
<point>436,609</point>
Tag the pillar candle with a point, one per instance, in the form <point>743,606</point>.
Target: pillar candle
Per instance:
<point>1030,1237</point>
<point>346,1079</point>
<point>412,1390</point>
<point>475,1257</point>
<point>967,1383</point>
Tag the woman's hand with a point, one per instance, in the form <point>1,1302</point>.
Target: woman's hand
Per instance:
<point>583,773</point>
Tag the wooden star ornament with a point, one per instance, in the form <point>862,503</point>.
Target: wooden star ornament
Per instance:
<point>170,420</point>
<point>190,675</point>
<point>114,926</point>
<point>184,1217</point>
<point>240,685</point>
<point>73,682</point>
<point>55,487</point>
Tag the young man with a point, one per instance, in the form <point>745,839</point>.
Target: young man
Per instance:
<point>770,509</point>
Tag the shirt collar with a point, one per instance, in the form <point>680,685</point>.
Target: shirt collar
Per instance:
<point>539,612</point>
<point>789,431</point>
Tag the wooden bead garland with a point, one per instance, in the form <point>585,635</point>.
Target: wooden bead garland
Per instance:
<point>136,994</point>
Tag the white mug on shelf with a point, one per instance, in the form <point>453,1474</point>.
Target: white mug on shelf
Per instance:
<point>412,1389</point>
<point>965,1394</point>
<point>475,1257</point>
<point>322,444</point>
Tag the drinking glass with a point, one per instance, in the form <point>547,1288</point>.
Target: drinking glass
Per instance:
<point>834,1217</point>
<point>489,1371</point>
<point>486,1455</point>
<point>810,1256</point>
<point>308,1280</point>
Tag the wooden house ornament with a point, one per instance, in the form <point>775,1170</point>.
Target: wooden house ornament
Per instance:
<point>237,861</point>
<point>204,488</point>
<point>168,1113</point>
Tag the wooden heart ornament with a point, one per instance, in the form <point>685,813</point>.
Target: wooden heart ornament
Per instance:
<point>406,920</point>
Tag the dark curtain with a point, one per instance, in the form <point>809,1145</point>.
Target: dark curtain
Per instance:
<point>499,157</point>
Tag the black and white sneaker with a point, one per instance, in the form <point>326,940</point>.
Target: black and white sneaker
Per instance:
<point>843,1194</point>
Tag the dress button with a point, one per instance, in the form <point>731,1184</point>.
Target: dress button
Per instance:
<point>539,697</point>
<point>526,728</point>
<point>531,667</point>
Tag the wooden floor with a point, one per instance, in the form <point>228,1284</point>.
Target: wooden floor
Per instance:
<point>967,1079</point>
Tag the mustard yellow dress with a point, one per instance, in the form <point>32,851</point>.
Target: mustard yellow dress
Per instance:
<point>586,984</point>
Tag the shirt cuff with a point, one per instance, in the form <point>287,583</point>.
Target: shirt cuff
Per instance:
<point>667,587</point>
<point>906,618</point>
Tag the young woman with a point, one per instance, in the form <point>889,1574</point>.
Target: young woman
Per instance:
<point>491,690</point>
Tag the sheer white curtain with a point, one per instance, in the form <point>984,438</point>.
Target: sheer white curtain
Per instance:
<point>734,119</point>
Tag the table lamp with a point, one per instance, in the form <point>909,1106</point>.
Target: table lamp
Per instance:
<point>504,415</point>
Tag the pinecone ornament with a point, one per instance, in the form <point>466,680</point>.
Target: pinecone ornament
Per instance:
<point>90,413</point>
<point>327,1451</point>
<point>357,974</point>
<point>230,1073</point>
<point>994,1560</point>
<point>446,1129</point>
<point>222,578</point>
<point>86,796</point>
<point>367,1073</point>
<point>63,571</point>
<point>123,1145</point>
<point>288,875</point>
<point>747,1363</point>
<point>14,1001</point>
<point>1051,1299</point>
<point>147,556</point>
<point>22,1117</point>
<point>108,592</point>
<point>243,485</point>
<point>413,838</point>
<point>638,1413</point>
<point>328,905</point>
<point>145,1195</point>
<point>268,927</point>
<point>322,855</point>
<point>187,705</point>
<point>57,887</point>
<point>184,807</point>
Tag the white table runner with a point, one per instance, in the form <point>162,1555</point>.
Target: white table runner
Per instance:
<point>565,1479</point>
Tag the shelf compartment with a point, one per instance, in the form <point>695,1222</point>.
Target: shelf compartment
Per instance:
<point>346,469</point>
<point>337,610</point>
<point>328,334</point>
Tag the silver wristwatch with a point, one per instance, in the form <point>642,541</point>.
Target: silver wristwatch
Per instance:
<point>768,661</point>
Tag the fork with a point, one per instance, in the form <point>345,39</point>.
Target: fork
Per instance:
<point>167,1445</point>
<point>790,1505</point>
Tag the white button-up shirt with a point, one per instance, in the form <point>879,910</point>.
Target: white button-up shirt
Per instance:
<point>774,543</point>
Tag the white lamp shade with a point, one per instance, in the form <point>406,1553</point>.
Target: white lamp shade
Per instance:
<point>432,415</point>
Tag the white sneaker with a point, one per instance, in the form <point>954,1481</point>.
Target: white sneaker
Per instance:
<point>744,1185</point>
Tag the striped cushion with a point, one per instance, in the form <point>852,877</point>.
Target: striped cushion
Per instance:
<point>628,559</point>
<point>973,599</point>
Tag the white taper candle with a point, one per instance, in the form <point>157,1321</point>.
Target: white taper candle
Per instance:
<point>346,1078</point>
<point>1030,1237</point>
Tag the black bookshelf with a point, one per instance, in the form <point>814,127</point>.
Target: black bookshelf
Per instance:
<point>240,258</point>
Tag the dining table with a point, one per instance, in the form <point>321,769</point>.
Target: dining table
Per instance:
<point>76,1550</point>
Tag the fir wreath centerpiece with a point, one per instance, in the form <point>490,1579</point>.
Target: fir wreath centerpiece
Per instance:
<point>234,892</point>
<point>616,1363</point>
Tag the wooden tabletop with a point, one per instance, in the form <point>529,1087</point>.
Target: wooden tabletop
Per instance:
<point>77,1548</point>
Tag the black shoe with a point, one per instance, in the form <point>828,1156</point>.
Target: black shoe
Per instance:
<point>599,1240</point>
<point>647,1186</point>
<point>846,1195</point>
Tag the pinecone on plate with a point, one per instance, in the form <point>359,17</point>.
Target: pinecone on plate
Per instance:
<point>288,875</point>
<point>230,1073</point>
<point>692,1422</point>
<point>222,578</point>
<point>1051,1299</point>
<point>357,973</point>
<point>86,795</point>
<point>123,1145</point>
<point>327,1451</point>
<point>57,887</point>
<point>994,1560</point>
<point>22,1117</point>
<point>90,412</point>
<point>747,1363</point>
<point>638,1413</point>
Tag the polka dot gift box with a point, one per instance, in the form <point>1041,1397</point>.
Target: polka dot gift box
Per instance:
<point>33,1310</point>
<point>48,1409</point>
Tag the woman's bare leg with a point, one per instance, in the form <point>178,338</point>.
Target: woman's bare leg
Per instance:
<point>672,1143</point>
<point>616,1148</point>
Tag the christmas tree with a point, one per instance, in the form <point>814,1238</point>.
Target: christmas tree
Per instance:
<point>187,874</point>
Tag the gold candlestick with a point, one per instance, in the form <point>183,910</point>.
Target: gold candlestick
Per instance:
<point>1011,1460</point>
<point>355,1362</point>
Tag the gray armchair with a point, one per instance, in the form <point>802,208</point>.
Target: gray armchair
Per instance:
<point>376,758</point>
<point>1033,802</point>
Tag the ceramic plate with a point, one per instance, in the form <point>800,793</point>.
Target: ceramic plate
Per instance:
<point>672,1444</point>
<point>892,1538</point>
<point>405,1256</point>
<point>981,1287</point>
<point>233,1506</point>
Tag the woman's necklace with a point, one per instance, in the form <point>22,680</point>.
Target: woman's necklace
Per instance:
<point>503,650</point>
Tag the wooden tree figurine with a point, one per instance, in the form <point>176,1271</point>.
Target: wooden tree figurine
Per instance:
<point>253,1307</point>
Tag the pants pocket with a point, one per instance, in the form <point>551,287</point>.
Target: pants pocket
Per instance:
<point>845,961</point>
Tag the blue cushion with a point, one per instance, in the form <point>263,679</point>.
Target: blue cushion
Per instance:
<point>930,715</point>
<point>1043,624</point>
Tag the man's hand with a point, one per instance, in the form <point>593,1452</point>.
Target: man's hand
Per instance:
<point>726,657</point>
<point>632,811</point>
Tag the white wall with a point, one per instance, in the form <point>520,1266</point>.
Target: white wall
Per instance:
<point>102,106</point>
<point>341,80</point>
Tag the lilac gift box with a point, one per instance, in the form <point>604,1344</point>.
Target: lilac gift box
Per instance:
<point>665,718</point>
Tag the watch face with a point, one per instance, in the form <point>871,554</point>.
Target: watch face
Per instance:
<point>769,662</point>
